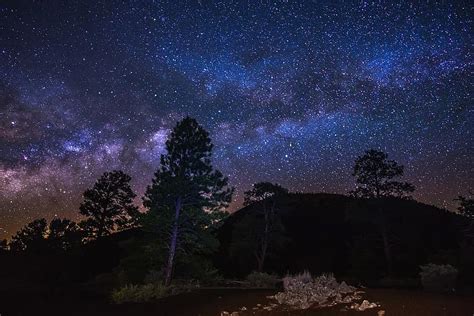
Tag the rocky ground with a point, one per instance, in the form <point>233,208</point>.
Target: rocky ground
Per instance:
<point>303,292</point>
<point>72,302</point>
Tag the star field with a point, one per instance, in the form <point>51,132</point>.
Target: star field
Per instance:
<point>291,92</point>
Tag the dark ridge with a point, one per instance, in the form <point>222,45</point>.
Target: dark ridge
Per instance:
<point>335,233</point>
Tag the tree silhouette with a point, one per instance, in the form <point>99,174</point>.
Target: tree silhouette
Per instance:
<point>4,245</point>
<point>261,230</point>
<point>466,207</point>
<point>31,238</point>
<point>109,205</point>
<point>187,195</point>
<point>374,173</point>
<point>64,234</point>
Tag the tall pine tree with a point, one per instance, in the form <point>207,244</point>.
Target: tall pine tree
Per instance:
<point>374,174</point>
<point>187,196</point>
<point>31,238</point>
<point>261,231</point>
<point>109,205</point>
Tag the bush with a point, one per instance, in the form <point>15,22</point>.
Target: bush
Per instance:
<point>262,279</point>
<point>197,268</point>
<point>138,293</point>
<point>102,284</point>
<point>403,283</point>
<point>211,276</point>
<point>153,277</point>
<point>436,277</point>
<point>304,277</point>
<point>302,291</point>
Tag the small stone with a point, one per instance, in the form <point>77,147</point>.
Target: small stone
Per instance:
<point>224,313</point>
<point>364,305</point>
<point>243,308</point>
<point>234,314</point>
<point>381,313</point>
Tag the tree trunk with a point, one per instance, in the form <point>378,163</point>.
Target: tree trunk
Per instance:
<point>262,255</point>
<point>173,243</point>
<point>101,229</point>
<point>382,223</point>
<point>260,260</point>
<point>101,232</point>
<point>387,250</point>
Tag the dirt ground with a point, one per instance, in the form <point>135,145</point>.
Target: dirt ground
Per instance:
<point>213,302</point>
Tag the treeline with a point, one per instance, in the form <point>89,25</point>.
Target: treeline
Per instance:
<point>186,204</point>
<point>185,201</point>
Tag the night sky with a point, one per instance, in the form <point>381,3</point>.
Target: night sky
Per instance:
<point>291,92</point>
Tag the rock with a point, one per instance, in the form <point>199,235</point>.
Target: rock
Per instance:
<point>224,313</point>
<point>363,306</point>
<point>347,299</point>
<point>234,314</point>
<point>243,308</point>
<point>344,288</point>
<point>381,313</point>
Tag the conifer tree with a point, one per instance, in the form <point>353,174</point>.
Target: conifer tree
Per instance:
<point>374,174</point>
<point>31,238</point>
<point>187,195</point>
<point>261,231</point>
<point>109,205</point>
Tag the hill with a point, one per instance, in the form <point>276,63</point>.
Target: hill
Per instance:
<point>323,232</point>
<point>340,234</point>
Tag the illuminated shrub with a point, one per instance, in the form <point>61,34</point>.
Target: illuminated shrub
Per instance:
<point>138,293</point>
<point>262,279</point>
<point>303,291</point>
<point>436,277</point>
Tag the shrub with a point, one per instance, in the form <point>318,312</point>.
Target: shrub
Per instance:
<point>138,293</point>
<point>210,275</point>
<point>182,285</point>
<point>302,291</point>
<point>436,277</point>
<point>199,268</point>
<point>102,284</point>
<point>154,277</point>
<point>304,277</point>
<point>262,279</point>
<point>403,283</point>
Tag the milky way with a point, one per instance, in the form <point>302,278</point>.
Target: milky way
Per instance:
<point>291,92</point>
